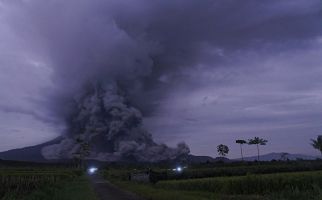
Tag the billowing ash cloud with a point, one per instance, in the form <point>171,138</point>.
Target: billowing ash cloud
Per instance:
<point>85,43</point>
<point>147,46</point>
<point>110,62</point>
<point>104,119</point>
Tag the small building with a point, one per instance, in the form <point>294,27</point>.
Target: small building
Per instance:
<point>143,177</point>
<point>147,176</point>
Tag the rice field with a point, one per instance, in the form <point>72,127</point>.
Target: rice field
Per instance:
<point>262,185</point>
<point>249,184</point>
<point>17,183</point>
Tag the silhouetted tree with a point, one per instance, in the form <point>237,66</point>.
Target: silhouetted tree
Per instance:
<point>222,150</point>
<point>241,142</point>
<point>258,141</point>
<point>82,153</point>
<point>317,144</point>
<point>284,156</point>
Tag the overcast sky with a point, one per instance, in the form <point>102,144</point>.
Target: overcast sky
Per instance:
<point>204,72</point>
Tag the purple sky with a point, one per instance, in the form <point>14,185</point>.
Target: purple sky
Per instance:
<point>204,72</point>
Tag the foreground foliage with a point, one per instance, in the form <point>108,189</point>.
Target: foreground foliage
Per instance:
<point>76,189</point>
<point>274,186</point>
<point>250,184</point>
<point>42,184</point>
<point>152,192</point>
<point>221,171</point>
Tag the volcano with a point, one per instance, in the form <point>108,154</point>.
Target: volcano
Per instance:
<point>106,123</point>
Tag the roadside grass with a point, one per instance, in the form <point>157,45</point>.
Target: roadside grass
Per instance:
<point>18,183</point>
<point>280,186</point>
<point>151,192</point>
<point>77,188</point>
<point>250,184</point>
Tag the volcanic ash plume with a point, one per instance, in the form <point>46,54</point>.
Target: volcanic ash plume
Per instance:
<point>104,119</point>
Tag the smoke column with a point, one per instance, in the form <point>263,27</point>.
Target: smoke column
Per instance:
<point>112,60</point>
<point>112,127</point>
<point>99,68</point>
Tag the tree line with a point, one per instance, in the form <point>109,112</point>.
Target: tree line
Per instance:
<point>223,150</point>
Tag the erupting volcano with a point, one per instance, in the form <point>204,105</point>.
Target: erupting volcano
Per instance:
<point>104,119</point>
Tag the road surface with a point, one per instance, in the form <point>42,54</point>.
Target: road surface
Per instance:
<point>107,191</point>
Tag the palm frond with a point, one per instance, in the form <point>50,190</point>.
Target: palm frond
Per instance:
<point>317,144</point>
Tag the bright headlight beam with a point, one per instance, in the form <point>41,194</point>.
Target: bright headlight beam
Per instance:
<point>92,170</point>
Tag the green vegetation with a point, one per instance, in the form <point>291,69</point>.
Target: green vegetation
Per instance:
<point>152,192</point>
<point>82,153</point>
<point>250,184</point>
<point>221,170</point>
<point>284,186</point>
<point>317,144</point>
<point>43,184</point>
<point>289,180</point>
<point>243,170</point>
<point>76,189</point>
<point>257,141</point>
<point>241,142</point>
<point>222,150</point>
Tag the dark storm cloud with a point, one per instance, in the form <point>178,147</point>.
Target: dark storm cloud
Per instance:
<point>276,96</point>
<point>23,111</point>
<point>161,50</point>
<point>191,34</point>
<point>144,42</point>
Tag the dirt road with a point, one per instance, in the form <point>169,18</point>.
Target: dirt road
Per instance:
<point>107,191</point>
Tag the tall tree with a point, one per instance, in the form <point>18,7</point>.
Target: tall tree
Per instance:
<point>222,150</point>
<point>284,156</point>
<point>317,144</point>
<point>258,141</point>
<point>241,142</point>
<point>82,153</point>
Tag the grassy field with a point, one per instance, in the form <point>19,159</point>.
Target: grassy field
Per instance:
<point>152,192</point>
<point>44,184</point>
<point>250,184</point>
<point>262,185</point>
<point>221,170</point>
<point>292,186</point>
<point>76,189</point>
<point>249,181</point>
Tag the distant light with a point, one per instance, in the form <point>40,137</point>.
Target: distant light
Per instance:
<point>178,169</point>
<point>92,170</point>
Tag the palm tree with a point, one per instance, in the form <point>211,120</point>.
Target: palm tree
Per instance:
<point>241,142</point>
<point>222,150</point>
<point>258,141</point>
<point>317,144</point>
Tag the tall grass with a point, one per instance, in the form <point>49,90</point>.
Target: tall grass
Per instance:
<point>250,184</point>
<point>19,182</point>
<point>242,170</point>
<point>77,189</point>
